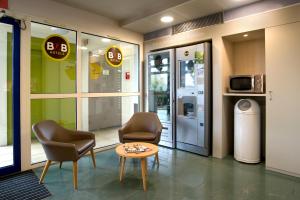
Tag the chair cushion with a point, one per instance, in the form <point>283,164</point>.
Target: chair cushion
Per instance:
<point>82,145</point>
<point>139,136</point>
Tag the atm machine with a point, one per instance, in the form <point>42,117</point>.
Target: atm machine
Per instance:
<point>193,98</point>
<point>160,92</point>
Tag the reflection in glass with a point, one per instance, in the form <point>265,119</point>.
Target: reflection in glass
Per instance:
<point>6,113</point>
<point>187,73</point>
<point>105,115</point>
<point>98,76</point>
<point>49,75</point>
<point>63,111</point>
<point>159,85</point>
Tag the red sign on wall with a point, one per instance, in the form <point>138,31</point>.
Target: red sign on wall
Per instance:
<point>4,4</point>
<point>127,75</point>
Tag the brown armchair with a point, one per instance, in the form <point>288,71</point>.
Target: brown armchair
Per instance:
<point>142,127</point>
<point>61,144</point>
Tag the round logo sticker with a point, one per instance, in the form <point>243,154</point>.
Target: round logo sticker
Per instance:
<point>56,47</point>
<point>114,56</point>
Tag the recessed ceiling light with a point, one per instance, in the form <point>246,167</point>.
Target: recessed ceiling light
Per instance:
<point>53,28</point>
<point>105,40</point>
<point>245,35</point>
<point>166,19</point>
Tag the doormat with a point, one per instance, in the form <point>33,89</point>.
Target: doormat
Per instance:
<point>22,186</point>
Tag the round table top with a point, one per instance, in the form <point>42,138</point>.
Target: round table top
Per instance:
<point>121,151</point>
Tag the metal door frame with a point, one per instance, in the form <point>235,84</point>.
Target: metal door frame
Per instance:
<point>15,96</point>
<point>172,88</point>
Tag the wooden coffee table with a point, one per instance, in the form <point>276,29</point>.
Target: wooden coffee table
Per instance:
<point>143,156</point>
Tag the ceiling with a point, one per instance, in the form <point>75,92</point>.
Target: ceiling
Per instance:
<point>143,16</point>
<point>251,35</point>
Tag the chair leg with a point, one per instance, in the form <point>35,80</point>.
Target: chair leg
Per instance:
<point>45,171</point>
<point>156,158</point>
<point>93,158</point>
<point>75,172</point>
<point>60,164</point>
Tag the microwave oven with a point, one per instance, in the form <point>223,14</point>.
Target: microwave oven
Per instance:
<point>247,83</point>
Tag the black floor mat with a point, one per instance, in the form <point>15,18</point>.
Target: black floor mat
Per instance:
<point>22,186</point>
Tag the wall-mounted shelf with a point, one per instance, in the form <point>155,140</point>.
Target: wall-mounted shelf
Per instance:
<point>244,94</point>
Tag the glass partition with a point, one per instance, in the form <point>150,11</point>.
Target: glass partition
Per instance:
<point>63,111</point>
<point>105,115</point>
<point>98,75</point>
<point>50,74</point>
<point>53,74</point>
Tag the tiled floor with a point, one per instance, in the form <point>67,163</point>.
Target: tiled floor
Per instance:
<point>181,175</point>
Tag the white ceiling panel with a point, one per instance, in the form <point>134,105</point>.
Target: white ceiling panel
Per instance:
<point>143,16</point>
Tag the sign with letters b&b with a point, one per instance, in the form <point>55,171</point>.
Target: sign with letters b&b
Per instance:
<point>114,56</point>
<point>56,47</point>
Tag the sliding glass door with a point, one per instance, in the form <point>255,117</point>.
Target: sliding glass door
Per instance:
<point>9,96</point>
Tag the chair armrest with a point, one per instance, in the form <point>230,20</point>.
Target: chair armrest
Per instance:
<point>82,135</point>
<point>59,151</point>
<point>159,128</point>
<point>158,132</point>
<point>122,131</point>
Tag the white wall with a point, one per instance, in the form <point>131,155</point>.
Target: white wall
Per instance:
<point>51,12</point>
<point>220,71</point>
<point>282,120</point>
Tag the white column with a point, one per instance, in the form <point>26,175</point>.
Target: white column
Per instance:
<point>85,88</point>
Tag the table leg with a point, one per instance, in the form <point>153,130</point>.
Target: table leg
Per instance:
<point>122,168</point>
<point>144,172</point>
<point>156,159</point>
<point>146,166</point>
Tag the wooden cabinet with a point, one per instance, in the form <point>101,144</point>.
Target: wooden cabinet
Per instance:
<point>242,56</point>
<point>283,98</point>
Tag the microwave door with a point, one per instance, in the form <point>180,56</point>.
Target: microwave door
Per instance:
<point>241,84</point>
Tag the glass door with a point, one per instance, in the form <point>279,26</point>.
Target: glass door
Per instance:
<point>160,79</point>
<point>160,85</point>
<point>9,96</point>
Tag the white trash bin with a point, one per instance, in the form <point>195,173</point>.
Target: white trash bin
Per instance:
<point>247,131</point>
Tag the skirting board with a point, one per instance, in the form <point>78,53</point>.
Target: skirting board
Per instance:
<point>283,172</point>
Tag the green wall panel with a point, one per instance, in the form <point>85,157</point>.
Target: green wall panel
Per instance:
<point>51,76</point>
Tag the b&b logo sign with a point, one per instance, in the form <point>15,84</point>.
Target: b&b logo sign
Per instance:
<point>56,47</point>
<point>114,56</point>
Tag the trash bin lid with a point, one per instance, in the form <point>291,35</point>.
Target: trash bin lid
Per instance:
<point>244,104</point>
<point>247,106</point>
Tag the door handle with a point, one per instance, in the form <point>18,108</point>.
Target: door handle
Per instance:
<point>270,95</point>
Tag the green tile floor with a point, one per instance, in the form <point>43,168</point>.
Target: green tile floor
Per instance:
<point>181,175</point>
